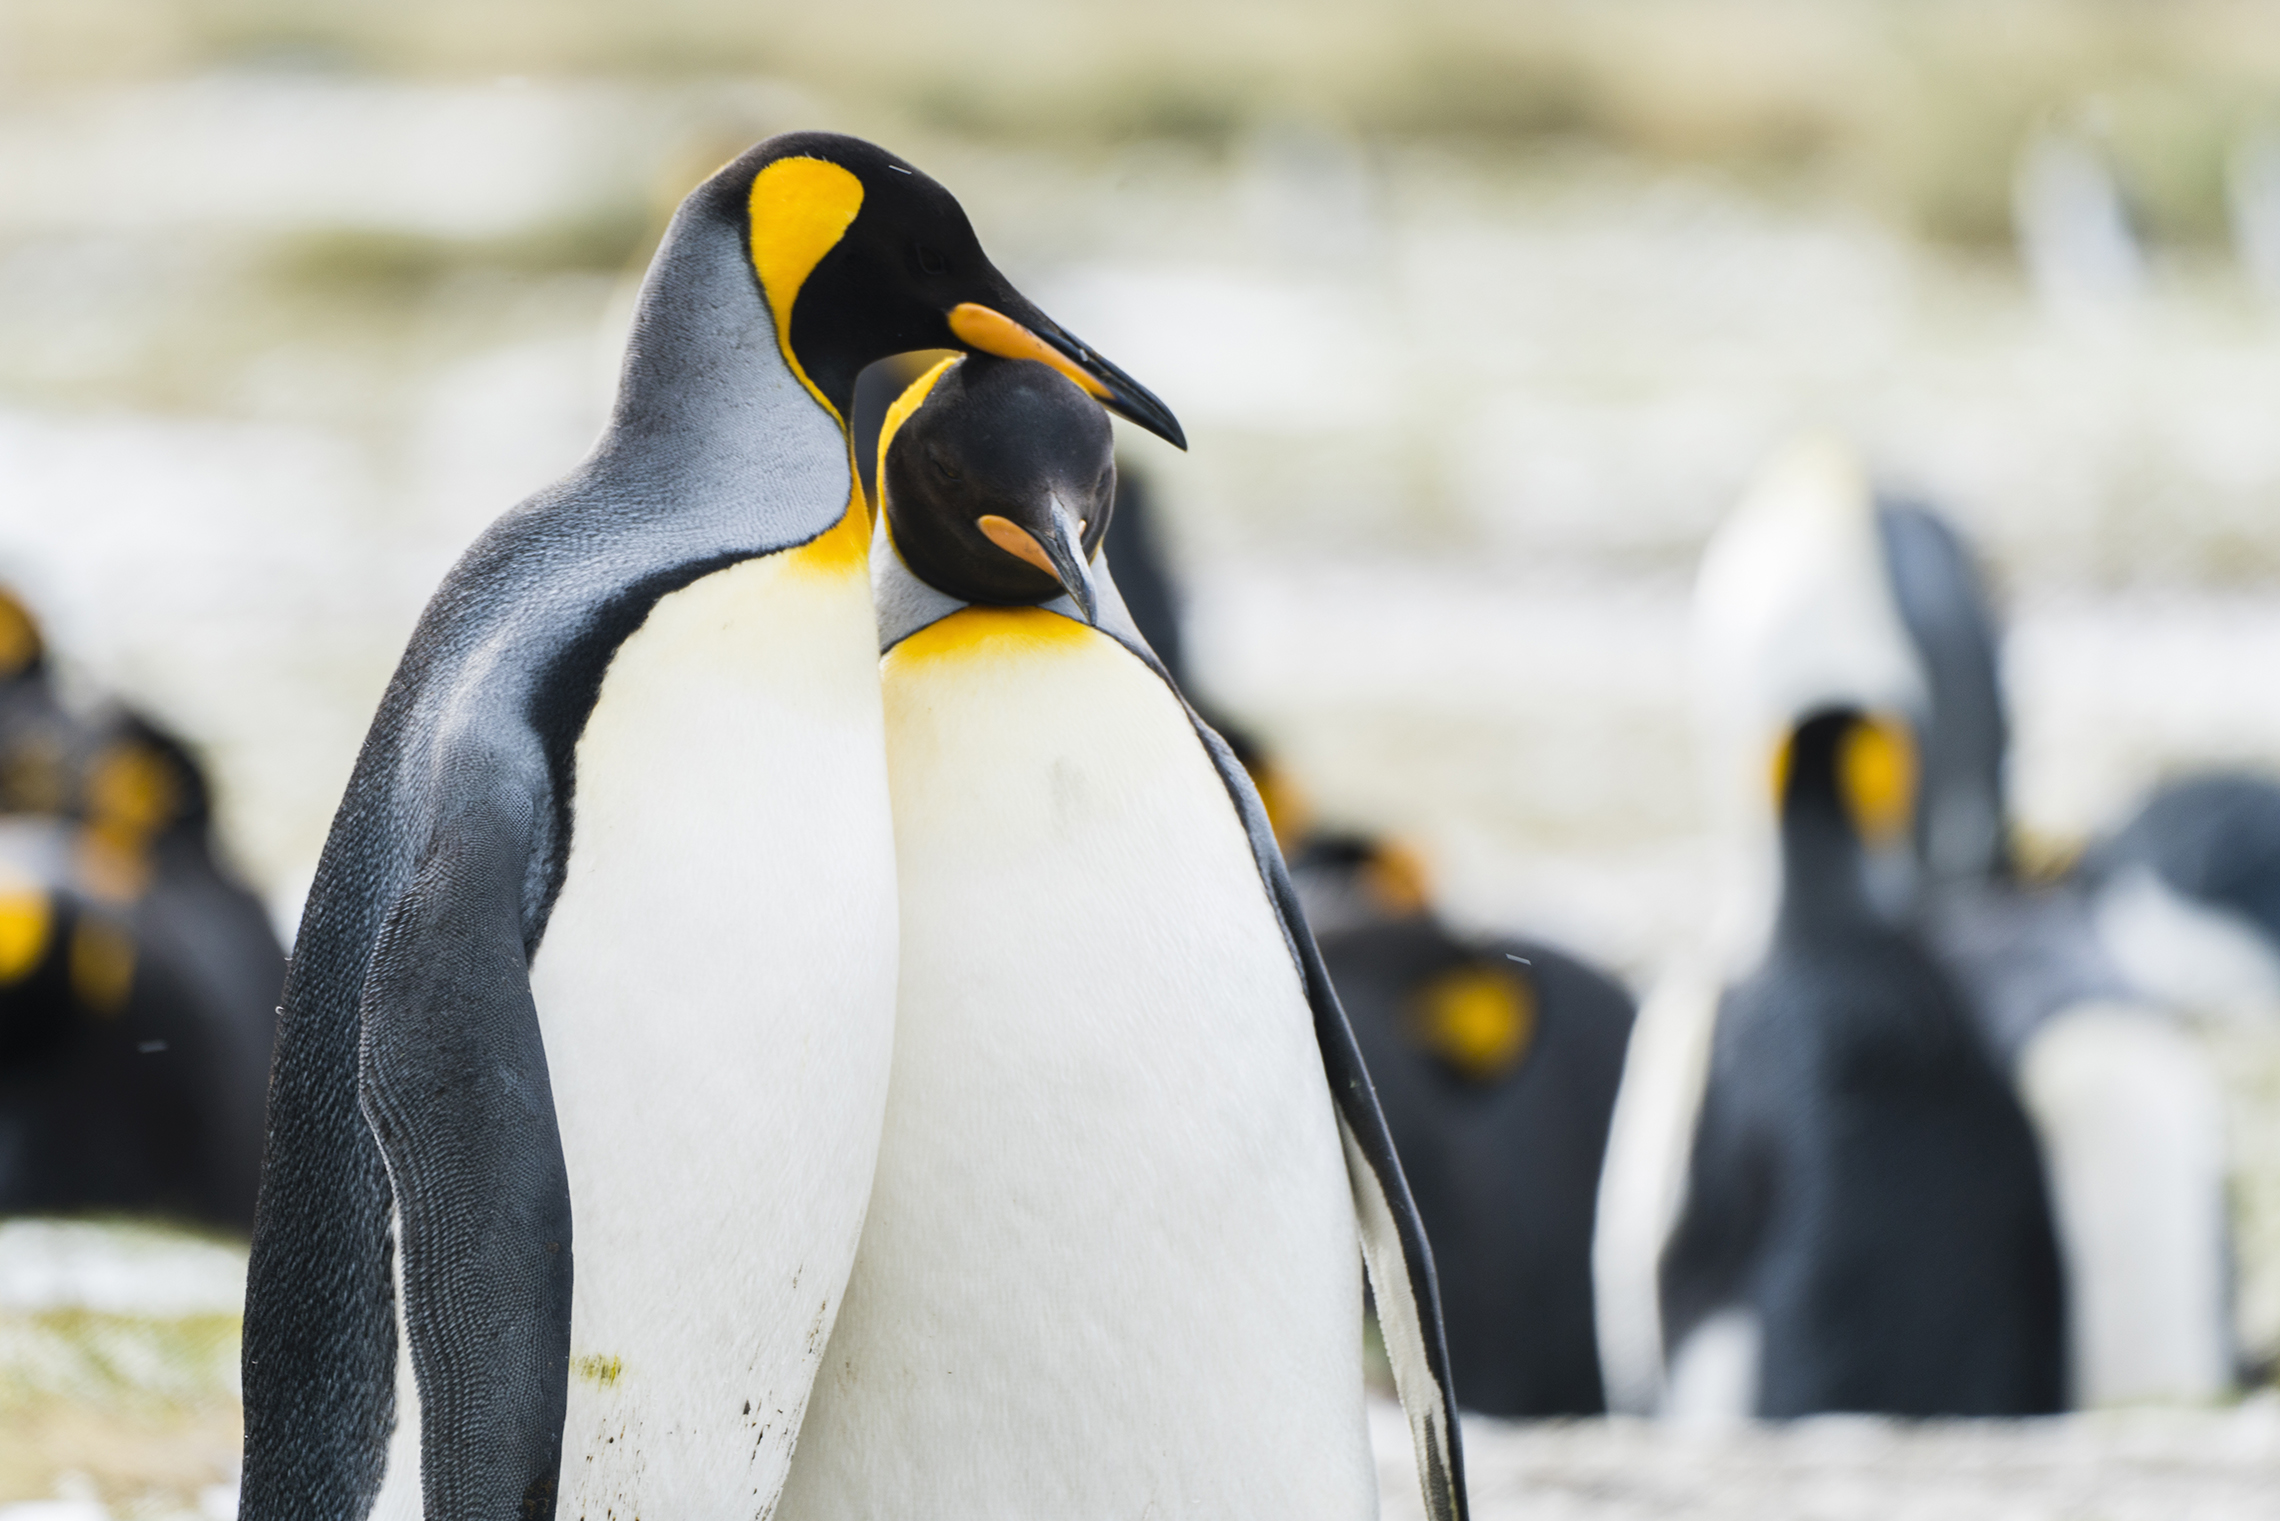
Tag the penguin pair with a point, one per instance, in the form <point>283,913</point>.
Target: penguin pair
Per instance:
<point>1864,1196</point>
<point>138,978</point>
<point>592,1089</point>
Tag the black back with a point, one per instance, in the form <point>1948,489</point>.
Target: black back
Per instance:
<point>1504,1168</point>
<point>1862,1177</point>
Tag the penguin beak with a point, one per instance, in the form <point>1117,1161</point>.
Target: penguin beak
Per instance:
<point>1033,335</point>
<point>1059,552</point>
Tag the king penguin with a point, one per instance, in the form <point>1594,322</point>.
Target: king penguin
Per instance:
<point>604,933</point>
<point>1111,1265</point>
<point>1865,1194</point>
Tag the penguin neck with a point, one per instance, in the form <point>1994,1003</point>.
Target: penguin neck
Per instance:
<point>1824,885</point>
<point>706,394</point>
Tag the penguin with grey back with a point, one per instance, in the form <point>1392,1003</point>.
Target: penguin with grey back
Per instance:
<point>2072,997</point>
<point>605,928</point>
<point>1131,1150</point>
<point>2187,891</point>
<point>1863,1185</point>
<point>2022,953</point>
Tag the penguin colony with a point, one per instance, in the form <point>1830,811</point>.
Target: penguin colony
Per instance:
<point>1915,1143</point>
<point>1864,1186</point>
<point>788,971</point>
<point>634,1008</point>
<point>137,976</point>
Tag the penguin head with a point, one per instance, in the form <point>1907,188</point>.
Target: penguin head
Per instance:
<point>859,256</point>
<point>1845,781</point>
<point>998,478</point>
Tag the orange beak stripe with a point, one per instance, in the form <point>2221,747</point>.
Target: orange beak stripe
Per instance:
<point>995,333</point>
<point>1016,540</point>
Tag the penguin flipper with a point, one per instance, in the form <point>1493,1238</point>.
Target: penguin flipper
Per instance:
<point>1704,1265</point>
<point>454,1084</point>
<point>1394,1248</point>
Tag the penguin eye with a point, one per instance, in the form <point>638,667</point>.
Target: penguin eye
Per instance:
<point>949,471</point>
<point>931,261</point>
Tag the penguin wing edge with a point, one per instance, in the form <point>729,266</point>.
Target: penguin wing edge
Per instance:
<point>1394,1249</point>
<point>453,1081</point>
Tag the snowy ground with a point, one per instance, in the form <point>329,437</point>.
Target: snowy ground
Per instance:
<point>118,1375</point>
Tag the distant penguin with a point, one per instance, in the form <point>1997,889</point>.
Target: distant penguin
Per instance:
<point>1814,595</point>
<point>1864,1189</point>
<point>2187,892</point>
<point>2024,952</point>
<point>134,1077</point>
<point>604,936</point>
<point>1496,1061</point>
<point>1132,1164</point>
<point>2127,1105</point>
<point>133,1035</point>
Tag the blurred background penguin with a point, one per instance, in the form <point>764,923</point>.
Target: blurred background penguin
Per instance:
<point>138,977</point>
<point>1814,594</point>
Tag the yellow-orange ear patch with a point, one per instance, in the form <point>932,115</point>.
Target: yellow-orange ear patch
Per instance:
<point>19,636</point>
<point>131,789</point>
<point>1479,1019</point>
<point>800,209</point>
<point>1397,879</point>
<point>1876,776</point>
<point>24,922</point>
<point>913,397</point>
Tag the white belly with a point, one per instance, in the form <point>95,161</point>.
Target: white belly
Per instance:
<point>716,993</point>
<point>1111,1266</point>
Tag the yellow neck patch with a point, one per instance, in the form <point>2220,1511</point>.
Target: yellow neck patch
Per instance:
<point>992,633</point>
<point>1479,1019</point>
<point>800,209</point>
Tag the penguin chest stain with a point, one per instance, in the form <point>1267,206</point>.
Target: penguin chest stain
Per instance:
<point>1111,1258</point>
<point>716,994</point>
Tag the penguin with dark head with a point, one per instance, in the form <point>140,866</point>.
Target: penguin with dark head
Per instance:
<point>685,615</point>
<point>1145,952</point>
<point>1496,1061</point>
<point>1864,1185</point>
<point>888,263</point>
<point>1002,487</point>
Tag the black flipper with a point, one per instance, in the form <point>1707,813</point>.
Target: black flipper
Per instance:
<point>1705,1263</point>
<point>454,1085</point>
<point>1393,1241</point>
